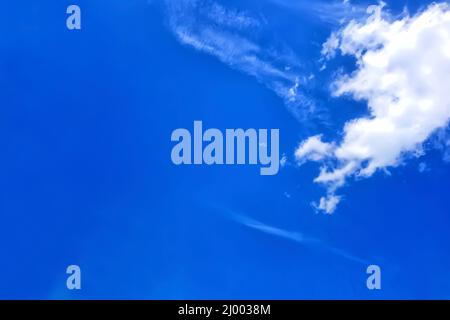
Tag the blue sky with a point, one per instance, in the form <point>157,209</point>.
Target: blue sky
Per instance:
<point>86,176</point>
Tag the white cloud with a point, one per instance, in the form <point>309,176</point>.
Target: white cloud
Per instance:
<point>313,149</point>
<point>330,46</point>
<point>402,73</point>
<point>232,36</point>
<point>328,204</point>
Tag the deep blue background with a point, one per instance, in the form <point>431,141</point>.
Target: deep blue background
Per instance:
<point>86,176</point>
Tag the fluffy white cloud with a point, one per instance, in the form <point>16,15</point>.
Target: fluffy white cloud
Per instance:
<point>403,67</point>
<point>328,204</point>
<point>313,149</point>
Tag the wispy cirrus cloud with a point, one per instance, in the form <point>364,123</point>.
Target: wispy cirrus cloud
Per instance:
<point>297,237</point>
<point>329,12</point>
<point>233,37</point>
<point>441,142</point>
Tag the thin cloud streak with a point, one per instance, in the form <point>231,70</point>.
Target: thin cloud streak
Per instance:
<point>290,235</point>
<point>328,12</point>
